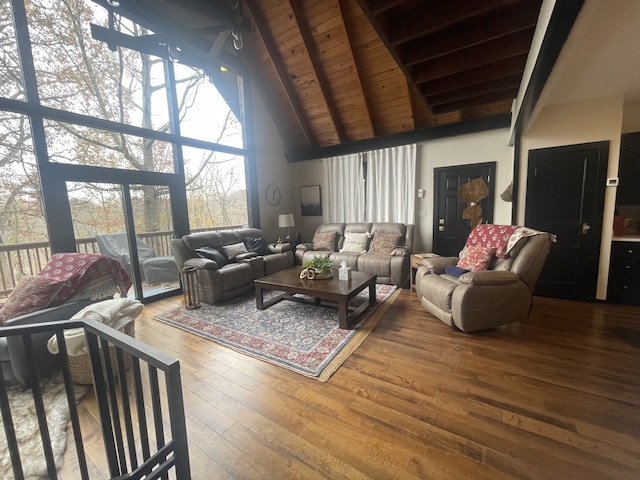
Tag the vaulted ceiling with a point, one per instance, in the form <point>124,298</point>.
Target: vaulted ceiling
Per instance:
<point>337,71</point>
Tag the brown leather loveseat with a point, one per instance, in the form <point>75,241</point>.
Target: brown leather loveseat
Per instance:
<point>382,248</point>
<point>228,261</point>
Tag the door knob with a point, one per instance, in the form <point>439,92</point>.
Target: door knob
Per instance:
<point>585,228</point>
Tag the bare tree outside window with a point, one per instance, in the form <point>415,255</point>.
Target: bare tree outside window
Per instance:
<point>79,74</point>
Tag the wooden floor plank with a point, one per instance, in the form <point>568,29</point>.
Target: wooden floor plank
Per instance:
<point>554,397</point>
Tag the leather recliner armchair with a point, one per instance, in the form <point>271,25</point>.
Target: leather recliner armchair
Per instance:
<point>483,299</point>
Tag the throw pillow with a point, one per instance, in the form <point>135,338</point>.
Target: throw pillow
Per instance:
<point>454,271</point>
<point>232,251</point>
<point>475,257</point>
<point>384,243</point>
<point>355,242</point>
<point>213,254</point>
<point>31,293</point>
<point>257,245</point>
<point>324,241</point>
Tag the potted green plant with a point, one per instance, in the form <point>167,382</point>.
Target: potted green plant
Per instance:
<point>318,268</point>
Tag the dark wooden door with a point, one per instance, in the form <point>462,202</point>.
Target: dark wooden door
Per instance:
<point>565,196</point>
<point>450,230</point>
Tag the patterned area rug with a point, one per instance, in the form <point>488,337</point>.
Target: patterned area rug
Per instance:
<point>303,338</point>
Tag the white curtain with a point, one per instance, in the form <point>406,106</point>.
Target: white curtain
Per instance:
<point>391,182</point>
<point>343,196</point>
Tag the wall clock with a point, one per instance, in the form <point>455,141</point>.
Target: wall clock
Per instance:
<point>272,194</point>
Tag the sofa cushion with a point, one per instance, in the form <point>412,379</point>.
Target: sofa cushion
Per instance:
<point>257,245</point>
<point>355,242</point>
<point>235,249</point>
<point>384,243</point>
<point>213,254</point>
<point>475,257</point>
<point>324,241</point>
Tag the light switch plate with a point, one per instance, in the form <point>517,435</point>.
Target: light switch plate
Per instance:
<point>612,182</point>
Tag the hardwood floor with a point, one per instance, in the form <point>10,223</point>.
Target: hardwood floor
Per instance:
<point>555,397</point>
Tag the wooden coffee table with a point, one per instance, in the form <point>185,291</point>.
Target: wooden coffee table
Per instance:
<point>337,292</point>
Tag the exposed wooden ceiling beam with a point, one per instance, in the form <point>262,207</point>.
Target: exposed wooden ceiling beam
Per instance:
<point>506,95</point>
<point>378,7</point>
<point>491,71</point>
<point>356,67</point>
<point>276,60</point>
<point>465,34</point>
<point>435,16</point>
<point>494,86</point>
<point>475,56</point>
<point>392,50</point>
<point>317,73</point>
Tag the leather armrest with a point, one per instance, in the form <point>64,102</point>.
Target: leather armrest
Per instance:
<point>201,264</point>
<point>483,278</point>
<point>279,247</point>
<point>304,246</point>
<point>246,256</point>
<point>437,264</point>
<point>400,252</point>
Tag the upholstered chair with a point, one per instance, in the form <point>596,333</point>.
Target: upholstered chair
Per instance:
<point>485,296</point>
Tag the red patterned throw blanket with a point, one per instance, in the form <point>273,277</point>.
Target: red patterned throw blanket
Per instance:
<point>501,237</point>
<point>67,276</point>
<point>492,236</point>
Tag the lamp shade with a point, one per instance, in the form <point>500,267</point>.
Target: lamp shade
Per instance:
<point>286,220</point>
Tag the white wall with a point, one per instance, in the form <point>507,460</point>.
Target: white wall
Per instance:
<point>272,168</point>
<point>490,146</point>
<point>587,121</point>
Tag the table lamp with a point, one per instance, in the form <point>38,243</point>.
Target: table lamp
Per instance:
<point>285,220</point>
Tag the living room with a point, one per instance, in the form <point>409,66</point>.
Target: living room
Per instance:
<point>555,396</point>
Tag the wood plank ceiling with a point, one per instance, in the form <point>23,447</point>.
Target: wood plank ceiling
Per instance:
<point>337,71</point>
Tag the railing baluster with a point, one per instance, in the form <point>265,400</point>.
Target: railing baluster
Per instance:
<point>73,408</point>
<point>10,431</point>
<point>157,407</point>
<point>113,398</point>
<point>126,410</point>
<point>142,414</point>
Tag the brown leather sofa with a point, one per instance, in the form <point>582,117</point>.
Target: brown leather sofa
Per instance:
<point>478,300</point>
<point>216,282</point>
<point>390,263</point>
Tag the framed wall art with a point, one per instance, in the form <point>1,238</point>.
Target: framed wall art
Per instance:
<point>310,201</point>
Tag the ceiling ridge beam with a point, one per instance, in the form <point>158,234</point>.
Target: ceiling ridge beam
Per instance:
<point>357,68</point>
<point>308,43</point>
<point>276,60</point>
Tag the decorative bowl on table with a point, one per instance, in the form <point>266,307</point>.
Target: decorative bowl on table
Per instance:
<point>317,269</point>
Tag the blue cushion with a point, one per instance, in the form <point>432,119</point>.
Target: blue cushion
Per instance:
<point>213,254</point>
<point>454,271</point>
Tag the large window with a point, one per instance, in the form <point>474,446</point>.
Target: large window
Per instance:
<point>141,142</point>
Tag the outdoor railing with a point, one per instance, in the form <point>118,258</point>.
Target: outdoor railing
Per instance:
<point>20,259</point>
<point>138,391</point>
